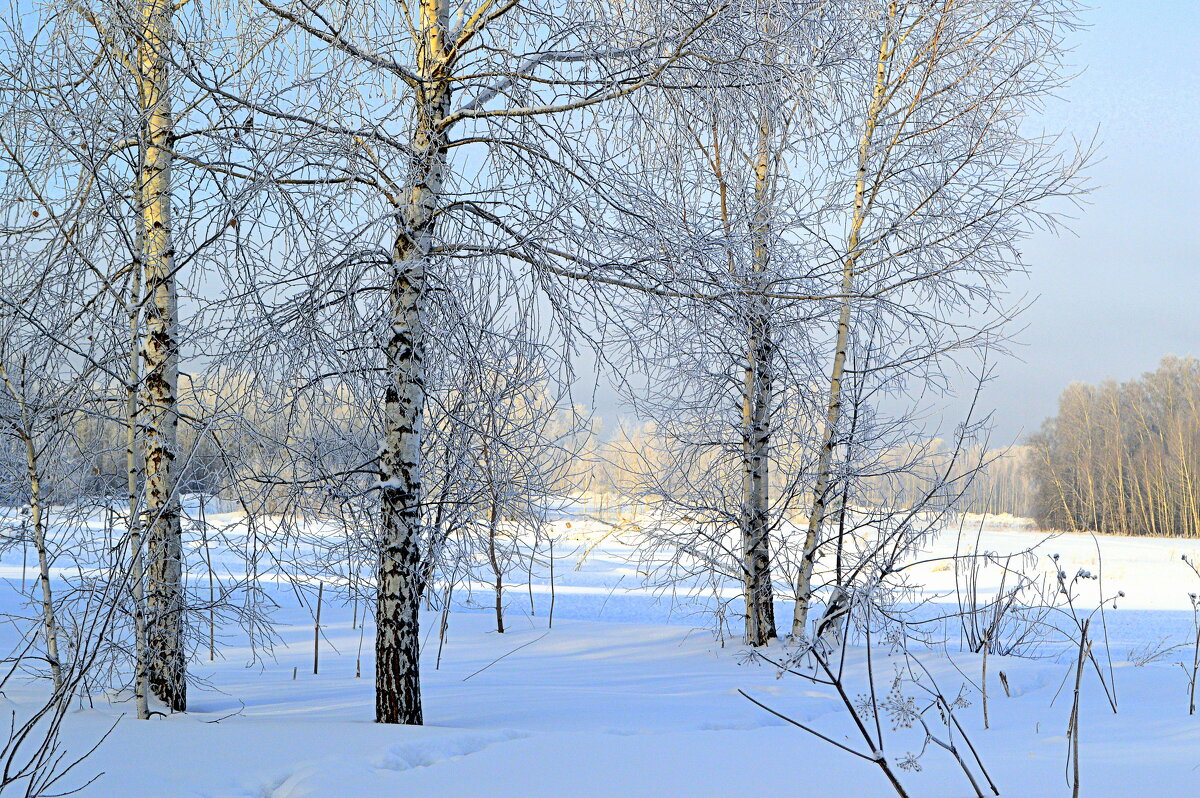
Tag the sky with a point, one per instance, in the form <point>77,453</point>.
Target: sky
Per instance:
<point>1123,290</point>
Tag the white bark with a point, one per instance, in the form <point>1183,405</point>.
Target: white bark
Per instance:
<point>833,413</point>
<point>160,352</point>
<point>38,520</point>
<point>397,644</point>
<point>137,576</point>
<point>24,428</point>
<point>756,415</point>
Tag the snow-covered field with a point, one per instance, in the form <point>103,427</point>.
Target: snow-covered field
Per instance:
<point>628,695</point>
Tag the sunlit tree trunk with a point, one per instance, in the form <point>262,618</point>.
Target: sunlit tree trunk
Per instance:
<point>397,644</point>
<point>824,469</point>
<point>160,353</point>
<point>137,576</point>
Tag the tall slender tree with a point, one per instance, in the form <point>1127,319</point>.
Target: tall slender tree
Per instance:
<point>943,183</point>
<point>166,604</point>
<point>455,140</point>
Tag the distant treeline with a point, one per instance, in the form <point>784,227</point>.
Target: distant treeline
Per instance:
<point>1119,458</point>
<point>970,477</point>
<point>1123,458</point>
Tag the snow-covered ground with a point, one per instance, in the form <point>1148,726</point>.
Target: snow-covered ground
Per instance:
<point>630,695</point>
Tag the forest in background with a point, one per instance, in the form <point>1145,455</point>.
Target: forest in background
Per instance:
<point>1119,458</point>
<point>1123,457</point>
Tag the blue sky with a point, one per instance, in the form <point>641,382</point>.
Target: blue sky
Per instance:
<point>1124,290</point>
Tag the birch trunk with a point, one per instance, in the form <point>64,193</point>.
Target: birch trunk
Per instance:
<point>760,610</point>
<point>756,421</point>
<point>824,467</point>
<point>160,351</point>
<point>804,582</point>
<point>43,567</point>
<point>137,576</point>
<point>37,519</point>
<point>397,644</point>
<point>494,561</point>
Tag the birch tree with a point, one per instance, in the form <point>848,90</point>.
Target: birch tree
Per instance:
<point>522,445</point>
<point>98,167</point>
<point>944,184</point>
<point>33,416</point>
<point>154,36</point>
<point>454,148</point>
<point>903,188</point>
<point>49,371</point>
<point>725,347</point>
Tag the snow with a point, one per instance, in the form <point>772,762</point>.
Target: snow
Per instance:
<point>628,695</point>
